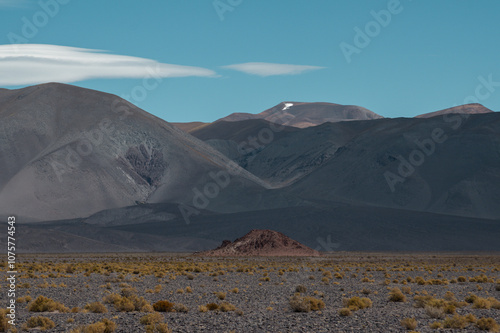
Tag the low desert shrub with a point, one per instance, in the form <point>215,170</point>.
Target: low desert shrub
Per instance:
<point>345,312</point>
<point>39,322</point>
<point>395,295</point>
<point>128,291</point>
<point>409,323</point>
<point>163,306</point>
<point>151,318</point>
<point>366,291</point>
<point>486,303</point>
<point>179,307</point>
<point>128,304</point>
<point>24,299</point>
<point>226,307</point>
<point>436,325</point>
<point>96,307</point>
<point>212,306</point>
<point>124,305</point>
<point>456,321</point>
<point>220,295</point>
<point>158,328</point>
<point>357,303</point>
<point>111,298</point>
<point>406,290</point>
<point>305,303</point>
<point>300,289</point>
<point>488,324</point>
<point>45,304</point>
<point>427,302</point>
<point>450,297</point>
<point>470,298</point>
<point>470,318</point>
<point>4,321</point>
<point>436,313</point>
<point>103,326</point>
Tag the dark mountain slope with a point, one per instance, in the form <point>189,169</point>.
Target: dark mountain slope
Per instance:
<point>456,162</point>
<point>456,172</point>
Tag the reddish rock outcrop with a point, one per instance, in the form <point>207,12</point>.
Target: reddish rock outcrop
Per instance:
<point>261,243</point>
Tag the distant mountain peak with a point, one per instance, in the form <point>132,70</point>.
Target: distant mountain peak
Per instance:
<point>472,108</point>
<point>302,114</point>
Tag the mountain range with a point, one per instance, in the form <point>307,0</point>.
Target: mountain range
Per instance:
<point>86,170</point>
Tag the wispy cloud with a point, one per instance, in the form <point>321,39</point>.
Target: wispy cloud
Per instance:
<point>22,64</point>
<point>269,69</point>
<point>16,4</point>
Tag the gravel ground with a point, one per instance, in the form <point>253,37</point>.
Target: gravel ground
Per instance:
<point>262,306</point>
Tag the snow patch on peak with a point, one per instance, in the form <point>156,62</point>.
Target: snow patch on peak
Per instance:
<point>287,106</point>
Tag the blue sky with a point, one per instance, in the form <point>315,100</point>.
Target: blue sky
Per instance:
<point>430,55</point>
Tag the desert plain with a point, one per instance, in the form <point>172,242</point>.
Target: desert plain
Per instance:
<point>336,292</point>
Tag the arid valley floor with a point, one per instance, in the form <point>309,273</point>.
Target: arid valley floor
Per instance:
<point>340,292</point>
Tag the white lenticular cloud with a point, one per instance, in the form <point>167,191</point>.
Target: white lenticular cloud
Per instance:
<point>22,64</point>
<point>269,69</point>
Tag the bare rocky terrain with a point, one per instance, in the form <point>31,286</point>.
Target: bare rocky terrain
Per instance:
<point>260,289</point>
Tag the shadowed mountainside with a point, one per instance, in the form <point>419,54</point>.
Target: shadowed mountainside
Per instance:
<point>448,165</point>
